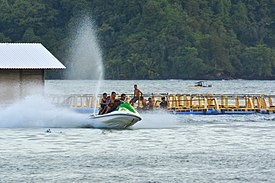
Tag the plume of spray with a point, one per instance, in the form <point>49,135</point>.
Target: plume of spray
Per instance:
<point>37,111</point>
<point>85,56</point>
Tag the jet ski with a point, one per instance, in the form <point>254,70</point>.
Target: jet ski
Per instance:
<point>124,116</point>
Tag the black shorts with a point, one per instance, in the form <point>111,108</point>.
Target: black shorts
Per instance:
<point>134,99</point>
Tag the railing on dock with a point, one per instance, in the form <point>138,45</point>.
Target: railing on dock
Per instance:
<point>185,103</point>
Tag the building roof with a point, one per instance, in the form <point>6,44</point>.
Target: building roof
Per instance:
<point>27,56</point>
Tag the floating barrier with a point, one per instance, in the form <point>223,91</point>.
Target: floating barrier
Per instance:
<point>208,104</point>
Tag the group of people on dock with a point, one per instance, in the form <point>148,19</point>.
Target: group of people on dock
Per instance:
<point>110,103</point>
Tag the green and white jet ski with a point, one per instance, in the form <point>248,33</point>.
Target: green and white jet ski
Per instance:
<point>123,117</point>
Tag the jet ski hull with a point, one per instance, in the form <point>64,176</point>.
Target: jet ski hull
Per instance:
<point>117,119</point>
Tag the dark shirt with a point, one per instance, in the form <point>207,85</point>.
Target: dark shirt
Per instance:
<point>103,103</point>
<point>163,104</point>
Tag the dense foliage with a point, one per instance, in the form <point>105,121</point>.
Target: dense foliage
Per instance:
<point>156,39</point>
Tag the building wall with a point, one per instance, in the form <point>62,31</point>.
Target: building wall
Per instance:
<point>18,83</point>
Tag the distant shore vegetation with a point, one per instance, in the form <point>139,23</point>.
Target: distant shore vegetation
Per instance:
<point>155,39</point>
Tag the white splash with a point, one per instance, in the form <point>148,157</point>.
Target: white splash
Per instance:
<point>37,111</point>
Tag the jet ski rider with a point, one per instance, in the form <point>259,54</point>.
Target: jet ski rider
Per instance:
<point>103,104</point>
<point>111,103</point>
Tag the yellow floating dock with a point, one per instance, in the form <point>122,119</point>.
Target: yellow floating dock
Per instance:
<point>185,103</point>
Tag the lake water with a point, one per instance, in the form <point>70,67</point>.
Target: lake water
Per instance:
<point>161,148</point>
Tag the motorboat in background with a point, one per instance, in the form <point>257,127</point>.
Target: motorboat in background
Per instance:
<point>201,84</point>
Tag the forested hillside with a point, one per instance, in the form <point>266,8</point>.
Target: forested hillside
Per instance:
<point>155,39</point>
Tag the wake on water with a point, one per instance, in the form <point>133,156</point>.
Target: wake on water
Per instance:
<point>38,112</point>
<point>157,120</point>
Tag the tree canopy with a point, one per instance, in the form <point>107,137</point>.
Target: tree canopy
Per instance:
<point>155,39</point>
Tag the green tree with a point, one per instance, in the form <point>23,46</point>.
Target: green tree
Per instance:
<point>258,62</point>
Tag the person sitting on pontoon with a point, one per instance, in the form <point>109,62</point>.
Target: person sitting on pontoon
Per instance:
<point>150,104</point>
<point>143,103</point>
<point>163,104</point>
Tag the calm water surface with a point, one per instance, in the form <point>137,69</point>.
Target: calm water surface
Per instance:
<point>160,148</point>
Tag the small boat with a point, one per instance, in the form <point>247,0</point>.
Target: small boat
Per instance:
<point>123,117</point>
<point>200,84</point>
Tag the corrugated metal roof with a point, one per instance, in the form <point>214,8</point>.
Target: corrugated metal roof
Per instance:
<point>27,56</point>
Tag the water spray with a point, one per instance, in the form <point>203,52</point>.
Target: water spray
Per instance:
<point>86,57</point>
